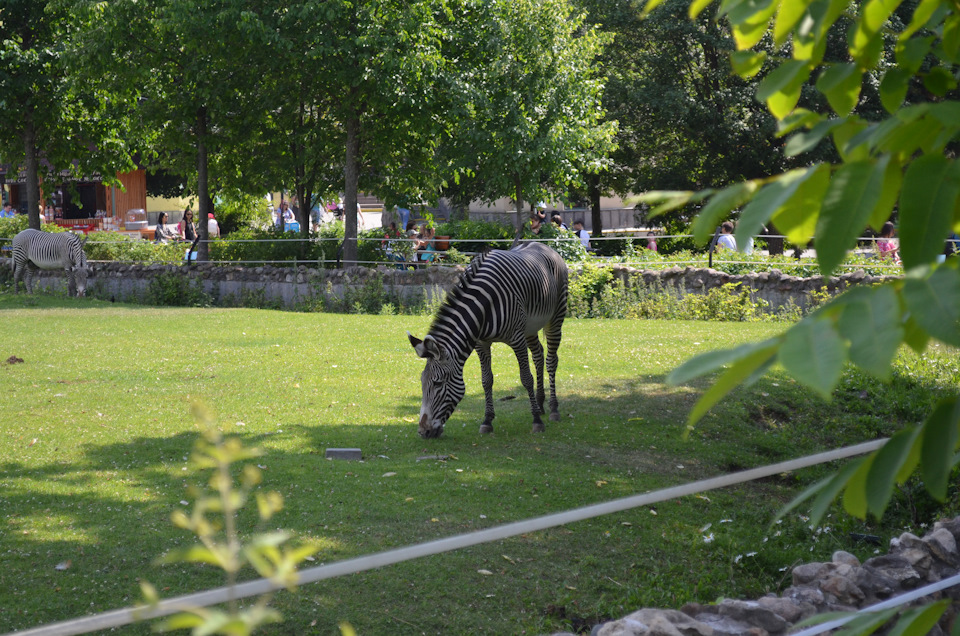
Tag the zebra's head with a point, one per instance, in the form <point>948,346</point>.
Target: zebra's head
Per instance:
<point>80,269</point>
<point>442,382</point>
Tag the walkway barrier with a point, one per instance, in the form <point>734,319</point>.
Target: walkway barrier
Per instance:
<point>118,618</point>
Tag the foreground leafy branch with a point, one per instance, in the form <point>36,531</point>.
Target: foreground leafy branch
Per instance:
<point>213,520</point>
<point>902,161</point>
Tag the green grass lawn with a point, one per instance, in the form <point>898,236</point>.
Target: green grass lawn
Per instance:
<point>96,431</point>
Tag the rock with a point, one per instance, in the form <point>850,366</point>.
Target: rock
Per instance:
<point>805,594</point>
<point>654,622</point>
<point>753,613</point>
<point>919,560</point>
<point>896,568</point>
<point>951,525</point>
<point>726,626</point>
<point>787,609</point>
<point>845,590</point>
<point>846,558</point>
<point>809,572</point>
<point>943,546</point>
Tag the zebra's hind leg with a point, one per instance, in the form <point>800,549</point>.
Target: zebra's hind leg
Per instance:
<point>486,377</point>
<point>552,333</point>
<point>28,277</point>
<point>526,378</point>
<point>533,343</point>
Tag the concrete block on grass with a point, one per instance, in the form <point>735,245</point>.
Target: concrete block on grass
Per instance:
<point>344,453</point>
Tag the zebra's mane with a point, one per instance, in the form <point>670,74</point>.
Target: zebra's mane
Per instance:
<point>463,283</point>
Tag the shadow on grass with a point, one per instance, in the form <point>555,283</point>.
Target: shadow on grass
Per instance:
<point>106,516</point>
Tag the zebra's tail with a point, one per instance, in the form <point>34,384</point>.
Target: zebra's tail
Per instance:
<point>516,239</point>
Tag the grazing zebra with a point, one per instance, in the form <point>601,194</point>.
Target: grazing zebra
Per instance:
<point>33,249</point>
<point>503,296</point>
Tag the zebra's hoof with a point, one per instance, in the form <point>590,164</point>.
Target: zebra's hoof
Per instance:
<point>555,417</point>
<point>538,427</point>
<point>485,429</point>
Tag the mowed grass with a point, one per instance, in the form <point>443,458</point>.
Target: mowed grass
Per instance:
<point>96,432</point>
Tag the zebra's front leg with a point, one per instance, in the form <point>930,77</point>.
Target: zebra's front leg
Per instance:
<point>520,348</point>
<point>28,278</point>
<point>552,333</point>
<point>486,377</point>
<point>533,343</point>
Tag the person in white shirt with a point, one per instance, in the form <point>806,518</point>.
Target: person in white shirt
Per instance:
<point>213,228</point>
<point>726,239</point>
<point>581,233</point>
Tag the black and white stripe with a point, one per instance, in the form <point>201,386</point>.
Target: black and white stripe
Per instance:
<point>33,249</point>
<point>503,296</point>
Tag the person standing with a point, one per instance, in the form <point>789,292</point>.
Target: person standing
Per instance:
<point>726,239</point>
<point>7,212</point>
<point>187,228</point>
<point>213,228</point>
<point>651,241</point>
<point>887,246</point>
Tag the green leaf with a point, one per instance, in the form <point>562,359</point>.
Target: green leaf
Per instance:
<point>787,18</point>
<point>808,140</point>
<point>927,201</point>
<point>888,463</point>
<point>831,488</point>
<point>919,621</point>
<point>849,141</point>
<point>797,217</point>
<point>892,179</point>
<point>750,20</point>
<point>866,623</point>
<point>914,335</point>
<point>855,494</point>
<point>696,7</point>
<point>781,88</point>
<point>934,303</point>
<point>938,445</point>
<point>869,23</point>
<point>910,53</point>
<point>840,83</point>
<point>746,64</point>
<point>719,207</point>
<point>871,322</point>
<point>799,118</point>
<point>950,39</point>
<point>921,15</point>
<point>893,88</point>
<point>771,198</point>
<point>710,361</point>
<point>663,201</point>
<point>851,197</point>
<point>939,81</point>
<point>180,621</point>
<point>813,353</point>
<point>741,370</point>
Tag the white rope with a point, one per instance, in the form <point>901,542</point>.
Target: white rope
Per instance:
<point>126,616</point>
<point>896,601</point>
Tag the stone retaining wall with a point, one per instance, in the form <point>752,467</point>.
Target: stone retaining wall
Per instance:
<point>289,286</point>
<point>842,585</point>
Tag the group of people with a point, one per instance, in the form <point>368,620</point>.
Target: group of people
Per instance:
<point>186,229</point>
<point>420,245</point>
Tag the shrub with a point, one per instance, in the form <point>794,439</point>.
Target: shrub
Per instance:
<point>236,210</point>
<point>177,290</point>
<point>111,246</point>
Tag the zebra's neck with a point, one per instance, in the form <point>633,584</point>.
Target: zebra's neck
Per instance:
<point>457,326</point>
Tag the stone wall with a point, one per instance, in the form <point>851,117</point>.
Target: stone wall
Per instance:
<point>291,286</point>
<point>842,585</point>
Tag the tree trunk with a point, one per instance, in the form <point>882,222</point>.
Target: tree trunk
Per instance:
<point>593,185</point>
<point>518,222</point>
<point>31,166</point>
<point>203,186</point>
<point>351,179</point>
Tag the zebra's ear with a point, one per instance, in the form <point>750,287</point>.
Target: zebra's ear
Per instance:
<point>417,345</point>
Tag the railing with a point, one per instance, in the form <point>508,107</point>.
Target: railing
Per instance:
<point>126,616</point>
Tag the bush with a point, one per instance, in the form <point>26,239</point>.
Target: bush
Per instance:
<point>174,289</point>
<point>236,210</point>
<point>110,246</point>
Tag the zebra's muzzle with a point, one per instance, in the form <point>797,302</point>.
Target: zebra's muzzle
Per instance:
<point>426,431</point>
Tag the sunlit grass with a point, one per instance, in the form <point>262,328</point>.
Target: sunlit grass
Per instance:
<point>96,436</point>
